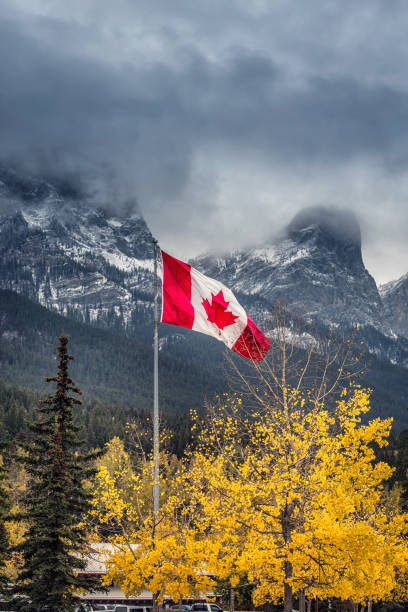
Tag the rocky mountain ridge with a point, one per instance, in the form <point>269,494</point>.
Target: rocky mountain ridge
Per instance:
<point>318,273</point>
<point>316,267</point>
<point>72,258</point>
<point>395,299</point>
<point>87,263</point>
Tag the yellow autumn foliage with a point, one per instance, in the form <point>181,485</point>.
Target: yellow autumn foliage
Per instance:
<point>290,495</point>
<point>16,529</point>
<point>166,558</point>
<point>296,495</point>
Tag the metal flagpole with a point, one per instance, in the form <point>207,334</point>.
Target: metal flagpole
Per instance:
<point>156,499</point>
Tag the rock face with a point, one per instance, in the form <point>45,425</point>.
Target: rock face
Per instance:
<point>87,263</point>
<point>69,257</point>
<point>395,298</point>
<point>316,267</point>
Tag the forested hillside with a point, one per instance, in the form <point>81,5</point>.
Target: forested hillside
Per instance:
<point>115,373</point>
<point>99,421</point>
<point>107,366</point>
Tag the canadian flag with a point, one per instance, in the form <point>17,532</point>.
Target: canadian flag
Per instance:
<point>193,300</point>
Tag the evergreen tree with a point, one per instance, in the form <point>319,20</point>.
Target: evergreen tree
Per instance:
<point>55,504</point>
<point>4,510</point>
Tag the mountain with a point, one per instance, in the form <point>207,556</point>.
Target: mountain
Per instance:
<point>316,267</point>
<point>95,268</point>
<point>78,260</point>
<point>313,267</point>
<point>395,298</point>
<point>85,262</point>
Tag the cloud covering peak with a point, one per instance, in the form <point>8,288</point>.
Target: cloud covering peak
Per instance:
<point>221,120</point>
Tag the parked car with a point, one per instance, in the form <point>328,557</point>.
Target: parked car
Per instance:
<point>183,607</point>
<point>205,607</point>
<point>134,608</point>
<point>107,607</point>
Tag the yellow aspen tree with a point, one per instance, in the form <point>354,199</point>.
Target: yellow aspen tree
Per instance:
<point>283,487</point>
<point>167,557</point>
<point>301,491</point>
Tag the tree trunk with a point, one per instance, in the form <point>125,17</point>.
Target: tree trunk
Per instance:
<point>155,606</point>
<point>302,600</point>
<point>309,605</point>
<point>316,604</point>
<point>288,598</point>
<point>232,599</point>
<point>180,604</point>
<point>288,592</point>
<point>369,606</point>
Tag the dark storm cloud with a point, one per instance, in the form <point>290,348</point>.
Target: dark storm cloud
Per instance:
<point>184,122</point>
<point>60,103</point>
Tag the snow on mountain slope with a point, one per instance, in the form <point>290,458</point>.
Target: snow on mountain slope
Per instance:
<point>78,230</point>
<point>313,268</point>
<point>392,286</point>
<point>73,258</point>
<point>85,262</point>
<point>395,298</point>
<point>316,268</point>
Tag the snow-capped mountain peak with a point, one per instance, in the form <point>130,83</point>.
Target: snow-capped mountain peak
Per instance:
<point>97,265</point>
<point>77,229</point>
<point>71,256</point>
<point>315,267</point>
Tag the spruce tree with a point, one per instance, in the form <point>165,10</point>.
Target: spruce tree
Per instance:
<point>55,504</point>
<point>4,511</point>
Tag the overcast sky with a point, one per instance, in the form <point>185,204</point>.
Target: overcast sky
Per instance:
<point>221,118</point>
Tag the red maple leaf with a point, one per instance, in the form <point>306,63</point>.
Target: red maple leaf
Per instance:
<point>217,311</point>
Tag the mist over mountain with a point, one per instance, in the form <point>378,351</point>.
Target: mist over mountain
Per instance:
<point>96,266</point>
<point>71,256</point>
<point>341,224</point>
<point>19,187</point>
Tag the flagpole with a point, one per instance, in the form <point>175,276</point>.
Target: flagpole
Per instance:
<point>156,498</point>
